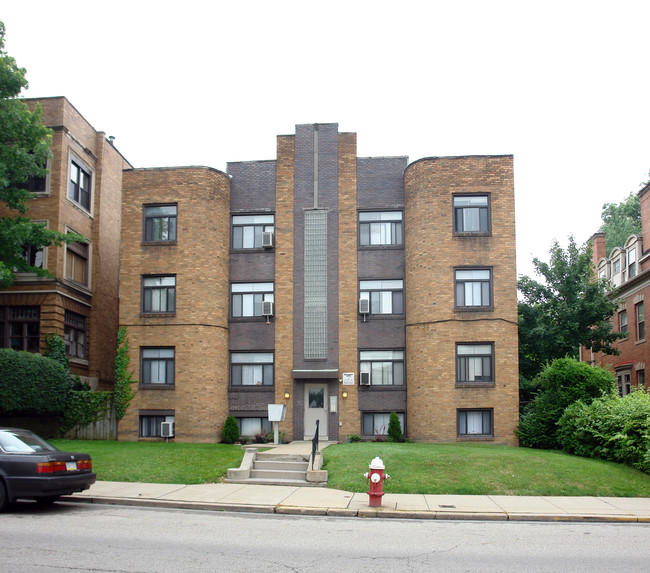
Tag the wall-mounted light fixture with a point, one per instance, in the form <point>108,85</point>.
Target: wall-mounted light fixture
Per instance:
<point>287,395</point>
<point>345,394</point>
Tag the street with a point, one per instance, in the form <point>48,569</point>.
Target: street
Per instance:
<point>85,537</point>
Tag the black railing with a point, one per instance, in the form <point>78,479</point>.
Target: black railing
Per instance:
<point>314,446</point>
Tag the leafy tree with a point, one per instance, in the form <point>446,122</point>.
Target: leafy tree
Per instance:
<point>24,150</point>
<point>620,221</point>
<point>230,431</point>
<point>394,428</point>
<point>561,383</point>
<point>571,308</point>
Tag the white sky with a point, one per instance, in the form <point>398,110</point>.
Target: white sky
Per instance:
<point>561,85</point>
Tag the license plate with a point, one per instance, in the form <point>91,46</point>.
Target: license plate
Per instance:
<point>71,466</point>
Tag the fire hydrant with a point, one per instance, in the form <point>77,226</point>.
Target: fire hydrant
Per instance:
<point>377,477</point>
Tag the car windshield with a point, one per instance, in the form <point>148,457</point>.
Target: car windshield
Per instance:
<point>23,442</point>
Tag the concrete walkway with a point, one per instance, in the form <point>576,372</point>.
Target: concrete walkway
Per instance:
<point>325,501</point>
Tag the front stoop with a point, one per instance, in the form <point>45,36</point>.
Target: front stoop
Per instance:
<point>267,468</point>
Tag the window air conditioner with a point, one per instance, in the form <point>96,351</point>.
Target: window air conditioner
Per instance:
<point>364,306</point>
<point>167,429</point>
<point>364,379</point>
<point>267,239</point>
<point>267,308</point>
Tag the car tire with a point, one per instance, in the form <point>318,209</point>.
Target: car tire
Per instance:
<point>4,498</point>
<point>47,499</point>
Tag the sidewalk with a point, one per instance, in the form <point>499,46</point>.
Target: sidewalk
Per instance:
<point>325,501</point>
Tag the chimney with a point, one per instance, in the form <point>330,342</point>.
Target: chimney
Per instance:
<point>598,250</point>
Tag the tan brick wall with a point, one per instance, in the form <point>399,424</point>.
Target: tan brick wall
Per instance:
<point>199,328</point>
<point>433,326</point>
<point>348,348</point>
<point>284,229</point>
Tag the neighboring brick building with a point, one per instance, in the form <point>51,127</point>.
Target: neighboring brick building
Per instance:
<point>82,193</point>
<point>628,268</point>
<point>342,287</point>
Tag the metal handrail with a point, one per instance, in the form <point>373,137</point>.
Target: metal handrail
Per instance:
<point>314,445</point>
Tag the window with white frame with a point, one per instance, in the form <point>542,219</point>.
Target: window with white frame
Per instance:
<point>250,427</point>
<point>77,262</point>
<point>159,294</point>
<point>383,367</point>
<point>157,365</point>
<point>624,382</point>
<point>640,321</point>
<point>380,228</point>
<point>160,223</point>
<point>251,368</point>
<point>150,423</point>
<point>247,298</point>
<point>247,230</point>
<point>75,328</point>
<point>475,362</point>
<point>631,263</point>
<point>376,423</point>
<point>385,296</point>
<point>475,423</point>
<point>622,321</point>
<point>471,214</point>
<point>473,287</point>
<point>79,184</point>
<point>616,267</point>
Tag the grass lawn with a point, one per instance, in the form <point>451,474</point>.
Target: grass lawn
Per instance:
<point>414,468</point>
<point>157,462</point>
<point>480,469</point>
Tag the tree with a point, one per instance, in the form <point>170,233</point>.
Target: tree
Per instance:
<point>24,150</point>
<point>620,221</point>
<point>571,308</point>
<point>394,428</point>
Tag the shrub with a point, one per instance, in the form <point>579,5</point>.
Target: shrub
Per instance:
<point>561,383</point>
<point>230,431</point>
<point>614,429</point>
<point>85,407</point>
<point>394,428</point>
<point>32,384</point>
<point>353,438</point>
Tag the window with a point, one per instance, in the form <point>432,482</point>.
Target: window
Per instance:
<point>20,327</point>
<point>624,383</point>
<point>471,214</point>
<point>474,363</point>
<point>79,185</point>
<point>617,267</point>
<point>474,423</point>
<point>76,262</point>
<point>75,335</point>
<point>251,426</point>
<point>160,223</point>
<point>247,298</point>
<point>247,230</point>
<point>34,256</point>
<point>150,424</point>
<point>157,365</point>
<point>380,228</point>
<point>159,294</point>
<point>376,423</point>
<point>631,263</point>
<point>251,368</point>
<point>640,377</point>
<point>622,321</point>
<point>640,321</point>
<point>383,367</point>
<point>386,297</point>
<point>473,287</point>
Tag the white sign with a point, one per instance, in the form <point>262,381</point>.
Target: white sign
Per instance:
<point>348,378</point>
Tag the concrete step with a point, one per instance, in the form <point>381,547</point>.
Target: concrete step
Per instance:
<point>265,481</point>
<point>287,465</point>
<point>278,474</point>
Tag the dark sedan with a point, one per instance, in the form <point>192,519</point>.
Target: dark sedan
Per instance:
<point>31,468</point>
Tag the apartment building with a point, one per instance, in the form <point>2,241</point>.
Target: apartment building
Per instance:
<point>342,287</point>
<point>628,269</point>
<point>82,194</point>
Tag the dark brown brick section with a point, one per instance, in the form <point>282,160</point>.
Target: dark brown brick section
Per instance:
<point>433,326</point>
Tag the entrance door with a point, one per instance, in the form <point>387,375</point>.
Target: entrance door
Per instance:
<point>316,408</point>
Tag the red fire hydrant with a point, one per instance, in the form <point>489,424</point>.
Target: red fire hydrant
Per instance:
<point>377,477</point>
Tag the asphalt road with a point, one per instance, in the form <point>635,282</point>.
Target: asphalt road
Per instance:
<point>80,537</point>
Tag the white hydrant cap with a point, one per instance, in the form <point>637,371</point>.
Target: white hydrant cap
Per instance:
<point>377,464</point>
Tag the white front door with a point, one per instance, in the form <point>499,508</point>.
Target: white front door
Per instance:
<point>316,408</point>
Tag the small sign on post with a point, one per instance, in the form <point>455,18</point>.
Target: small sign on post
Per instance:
<point>277,413</point>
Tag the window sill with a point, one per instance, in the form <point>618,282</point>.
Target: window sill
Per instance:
<point>157,387</point>
<point>370,317</point>
<point>157,314</point>
<point>640,341</point>
<point>473,234</point>
<point>254,250</point>
<point>380,247</point>
<point>250,388</point>
<point>158,243</point>
<point>475,384</point>
<point>382,387</point>
<point>250,319</point>
<point>468,438</point>
<point>78,361</point>
<point>474,309</point>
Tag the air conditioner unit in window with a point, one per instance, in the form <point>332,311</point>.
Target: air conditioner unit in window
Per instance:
<point>364,379</point>
<point>167,429</point>
<point>267,308</point>
<point>267,239</point>
<point>364,306</point>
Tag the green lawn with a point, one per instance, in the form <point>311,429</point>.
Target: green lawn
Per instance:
<point>414,468</point>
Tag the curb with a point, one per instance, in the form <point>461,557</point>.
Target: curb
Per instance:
<point>362,513</point>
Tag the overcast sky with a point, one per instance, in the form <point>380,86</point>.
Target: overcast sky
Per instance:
<point>561,85</point>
